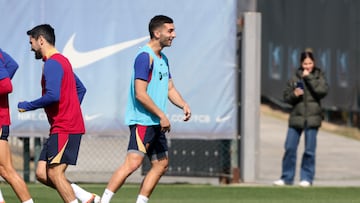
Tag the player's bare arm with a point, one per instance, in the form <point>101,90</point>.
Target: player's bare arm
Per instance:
<point>148,103</point>
<point>177,100</point>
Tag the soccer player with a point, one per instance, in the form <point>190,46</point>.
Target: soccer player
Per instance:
<point>8,67</point>
<point>62,94</point>
<point>151,86</point>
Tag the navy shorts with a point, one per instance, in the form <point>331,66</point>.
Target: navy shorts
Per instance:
<point>4,132</point>
<point>148,140</point>
<point>61,148</point>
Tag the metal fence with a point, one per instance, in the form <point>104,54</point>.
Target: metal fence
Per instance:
<point>100,156</point>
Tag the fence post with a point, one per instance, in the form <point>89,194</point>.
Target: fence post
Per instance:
<point>37,151</point>
<point>350,119</point>
<point>250,95</point>
<point>26,154</point>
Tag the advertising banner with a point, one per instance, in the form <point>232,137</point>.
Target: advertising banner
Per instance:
<point>101,40</point>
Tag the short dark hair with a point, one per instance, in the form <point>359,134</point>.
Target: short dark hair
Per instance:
<point>158,21</point>
<point>44,30</point>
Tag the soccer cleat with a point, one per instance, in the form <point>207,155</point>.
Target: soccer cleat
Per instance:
<point>94,199</point>
<point>304,183</point>
<point>279,183</point>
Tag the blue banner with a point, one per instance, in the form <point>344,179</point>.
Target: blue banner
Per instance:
<point>101,39</point>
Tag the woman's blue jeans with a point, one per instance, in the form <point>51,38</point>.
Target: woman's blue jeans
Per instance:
<point>307,170</point>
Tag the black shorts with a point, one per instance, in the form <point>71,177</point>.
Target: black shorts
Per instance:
<point>148,140</point>
<point>61,148</point>
<point>5,131</point>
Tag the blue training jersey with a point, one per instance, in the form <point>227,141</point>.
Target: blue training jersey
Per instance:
<point>155,71</point>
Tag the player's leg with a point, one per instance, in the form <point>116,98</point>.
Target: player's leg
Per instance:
<point>71,152</point>
<point>83,195</point>
<point>69,147</point>
<point>7,170</point>
<point>133,159</point>
<point>158,154</point>
<point>62,150</point>
<point>56,174</point>
<point>41,175</point>
<point>42,164</point>
<point>132,162</point>
<point>69,157</point>
<point>158,168</point>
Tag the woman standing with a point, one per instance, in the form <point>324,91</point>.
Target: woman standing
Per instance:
<point>304,92</point>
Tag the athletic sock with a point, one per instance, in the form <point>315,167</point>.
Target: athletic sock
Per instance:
<point>29,201</point>
<point>1,197</point>
<point>142,199</point>
<point>80,193</point>
<point>107,195</point>
<point>74,201</point>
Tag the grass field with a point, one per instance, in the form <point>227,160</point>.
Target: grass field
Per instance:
<point>183,193</point>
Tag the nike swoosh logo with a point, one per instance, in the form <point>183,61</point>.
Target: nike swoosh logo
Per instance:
<point>81,59</point>
<point>222,119</point>
<point>92,117</point>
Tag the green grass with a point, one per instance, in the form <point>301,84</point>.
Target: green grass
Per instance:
<point>183,193</point>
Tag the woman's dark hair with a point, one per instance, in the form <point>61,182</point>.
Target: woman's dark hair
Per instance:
<point>158,21</point>
<point>44,30</point>
<point>306,54</point>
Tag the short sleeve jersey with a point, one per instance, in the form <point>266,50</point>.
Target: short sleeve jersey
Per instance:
<point>155,70</point>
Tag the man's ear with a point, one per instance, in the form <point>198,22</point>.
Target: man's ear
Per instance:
<point>157,34</point>
<point>41,40</point>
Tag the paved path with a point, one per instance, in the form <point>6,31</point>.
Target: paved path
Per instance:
<point>337,161</point>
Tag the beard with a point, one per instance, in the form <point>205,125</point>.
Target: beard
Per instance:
<point>38,54</point>
<point>165,43</point>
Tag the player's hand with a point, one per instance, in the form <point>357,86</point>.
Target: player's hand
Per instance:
<point>21,106</point>
<point>187,112</point>
<point>165,124</point>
